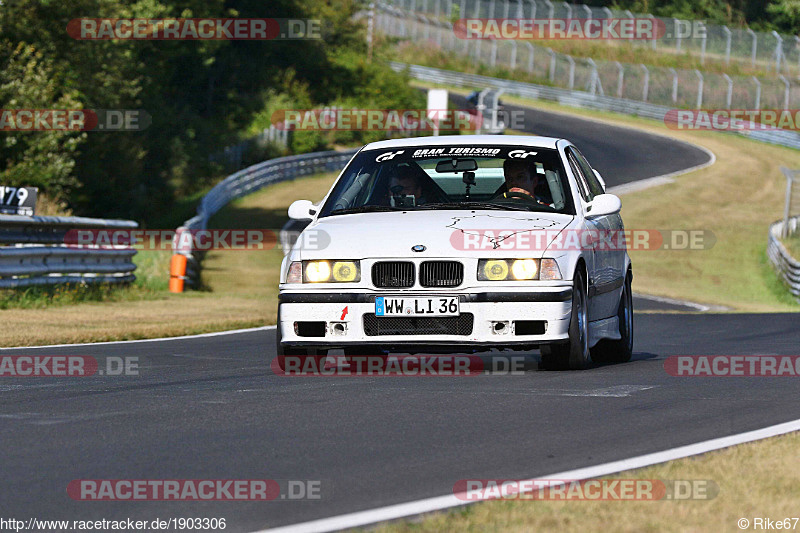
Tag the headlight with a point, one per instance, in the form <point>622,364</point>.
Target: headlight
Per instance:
<point>525,269</point>
<point>317,271</point>
<point>346,271</point>
<point>492,270</point>
<point>508,269</point>
<point>331,271</point>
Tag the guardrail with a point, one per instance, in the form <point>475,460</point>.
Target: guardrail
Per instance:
<point>187,271</point>
<point>787,266</point>
<point>34,252</point>
<point>575,98</point>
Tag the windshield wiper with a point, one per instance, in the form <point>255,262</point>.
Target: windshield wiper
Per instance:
<point>367,209</point>
<point>474,205</point>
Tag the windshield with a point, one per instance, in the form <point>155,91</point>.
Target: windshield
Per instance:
<point>520,178</point>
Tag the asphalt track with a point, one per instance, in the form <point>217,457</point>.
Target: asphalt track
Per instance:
<point>211,408</point>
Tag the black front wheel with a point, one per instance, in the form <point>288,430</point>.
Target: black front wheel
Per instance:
<point>574,354</point>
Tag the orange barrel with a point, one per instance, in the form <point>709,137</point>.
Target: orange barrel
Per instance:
<point>177,273</point>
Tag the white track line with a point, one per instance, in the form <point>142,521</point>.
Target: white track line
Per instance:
<point>439,503</point>
<point>694,305</point>
<point>159,339</point>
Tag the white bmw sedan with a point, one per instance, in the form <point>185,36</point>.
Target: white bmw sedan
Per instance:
<point>461,244</point>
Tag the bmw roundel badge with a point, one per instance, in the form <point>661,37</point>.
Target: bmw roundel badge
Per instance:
<point>418,248</point>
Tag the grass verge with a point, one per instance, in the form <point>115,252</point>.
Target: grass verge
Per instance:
<point>757,479</point>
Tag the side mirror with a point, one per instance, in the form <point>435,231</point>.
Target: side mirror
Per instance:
<point>302,210</point>
<point>600,179</point>
<point>602,205</point>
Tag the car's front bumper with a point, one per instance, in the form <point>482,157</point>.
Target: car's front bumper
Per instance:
<point>343,319</point>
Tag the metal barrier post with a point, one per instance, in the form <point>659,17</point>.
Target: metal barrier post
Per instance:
<point>788,205</point>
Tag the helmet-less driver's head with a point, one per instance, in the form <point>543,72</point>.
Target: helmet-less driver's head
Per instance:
<point>405,183</point>
<point>519,177</point>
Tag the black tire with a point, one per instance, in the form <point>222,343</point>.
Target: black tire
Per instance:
<point>619,351</point>
<point>574,354</point>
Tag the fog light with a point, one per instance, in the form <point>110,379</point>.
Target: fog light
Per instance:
<point>500,328</point>
<point>338,328</point>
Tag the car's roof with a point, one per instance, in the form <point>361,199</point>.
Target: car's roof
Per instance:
<point>465,140</point>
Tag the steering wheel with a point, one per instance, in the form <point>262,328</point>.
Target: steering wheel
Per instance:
<point>522,196</point>
<point>527,198</point>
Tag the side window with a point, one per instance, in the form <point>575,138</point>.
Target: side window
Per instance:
<point>579,177</point>
<point>594,184</point>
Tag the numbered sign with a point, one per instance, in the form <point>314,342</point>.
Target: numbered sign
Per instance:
<point>17,200</point>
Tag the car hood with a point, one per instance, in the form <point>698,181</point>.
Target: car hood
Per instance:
<point>442,233</point>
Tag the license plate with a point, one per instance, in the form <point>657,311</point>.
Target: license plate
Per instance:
<point>409,306</point>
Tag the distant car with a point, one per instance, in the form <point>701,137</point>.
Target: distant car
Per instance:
<point>421,246</point>
<point>474,98</point>
<point>489,124</point>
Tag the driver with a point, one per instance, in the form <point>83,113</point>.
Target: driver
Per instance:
<point>520,179</point>
<point>405,182</point>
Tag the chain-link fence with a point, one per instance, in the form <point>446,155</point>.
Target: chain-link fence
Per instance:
<point>676,88</point>
<point>767,51</point>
